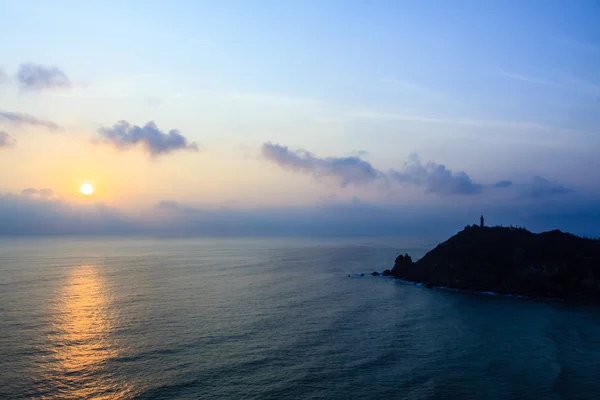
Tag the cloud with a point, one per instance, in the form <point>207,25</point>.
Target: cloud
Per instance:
<point>42,212</point>
<point>38,77</point>
<point>570,83</point>
<point>356,217</point>
<point>124,135</point>
<point>174,206</point>
<point>432,177</point>
<point>19,119</point>
<point>2,76</point>
<point>6,140</point>
<point>330,218</point>
<point>453,121</point>
<point>541,187</point>
<point>523,78</point>
<point>43,193</point>
<point>435,178</point>
<point>503,184</point>
<point>348,170</point>
<point>359,153</point>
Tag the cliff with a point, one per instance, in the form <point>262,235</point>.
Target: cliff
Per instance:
<point>552,264</point>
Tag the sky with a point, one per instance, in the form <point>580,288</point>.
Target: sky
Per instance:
<point>299,117</point>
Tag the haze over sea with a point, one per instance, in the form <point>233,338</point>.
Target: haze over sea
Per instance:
<point>271,318</point>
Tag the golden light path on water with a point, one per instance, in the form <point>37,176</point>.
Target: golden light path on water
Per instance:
<point>82,342</point>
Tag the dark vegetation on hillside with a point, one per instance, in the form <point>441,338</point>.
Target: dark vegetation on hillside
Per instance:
<point>510,260</point>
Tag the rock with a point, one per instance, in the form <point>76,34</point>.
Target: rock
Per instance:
<point>387,272</point>
<point>362,274</point>
<point>402,264</point>
<point>375,273</point>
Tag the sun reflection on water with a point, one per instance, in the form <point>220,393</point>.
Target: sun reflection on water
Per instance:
<point>81,340</point>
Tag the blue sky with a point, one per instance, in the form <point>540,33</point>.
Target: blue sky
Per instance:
<point>497,90</point>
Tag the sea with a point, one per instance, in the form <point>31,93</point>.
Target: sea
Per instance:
<point>272,318</point>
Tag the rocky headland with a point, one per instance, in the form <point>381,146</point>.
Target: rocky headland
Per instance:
<point>509,260</point>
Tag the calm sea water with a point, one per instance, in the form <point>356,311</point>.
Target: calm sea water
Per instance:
<point>271,319</point>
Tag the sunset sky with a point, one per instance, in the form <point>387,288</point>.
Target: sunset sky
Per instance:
<point>266,117</point>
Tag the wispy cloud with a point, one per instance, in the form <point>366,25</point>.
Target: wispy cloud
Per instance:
<point>451,121</point>
<point>26,119</point>
<point>268,98</point>
<point>124,135</point>
<point>528,79</point>
<point>568,82</point>
<point>417,90</point>
<point>6,140</point>
<point>348,170</point>
<point>39,77</point>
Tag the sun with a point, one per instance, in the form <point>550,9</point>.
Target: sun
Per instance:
<point>86,189</point>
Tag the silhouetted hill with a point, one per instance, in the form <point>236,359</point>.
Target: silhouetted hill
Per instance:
<point>552,264</point>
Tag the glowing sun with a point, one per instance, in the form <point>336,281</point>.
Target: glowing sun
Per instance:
<point>86,189</point>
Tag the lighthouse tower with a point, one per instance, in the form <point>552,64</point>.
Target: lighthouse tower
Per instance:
<point>481,221</point>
